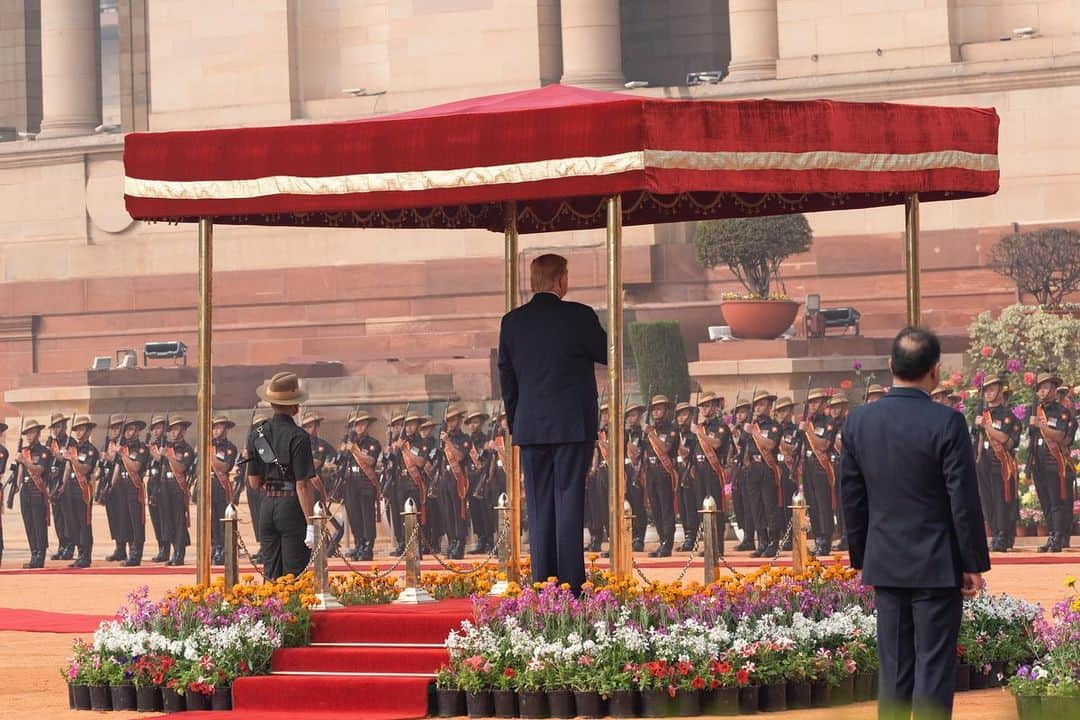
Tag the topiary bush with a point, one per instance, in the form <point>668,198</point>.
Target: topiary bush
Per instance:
<point>660,359</point>
<point>753,248</point>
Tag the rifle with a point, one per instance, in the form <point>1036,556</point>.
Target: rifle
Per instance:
<point>1034,434</point>
<point>977,431</point>
<point>439,461</point>
<point>241,472</point>
<point>106,470</point>
<point>14,480</point>
<point>684,474</point>
<point>388,476</point>
<point>747,441</point>
<point>481,487</point>
<point>800,443</point>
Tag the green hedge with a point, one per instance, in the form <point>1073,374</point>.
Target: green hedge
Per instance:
<point>660,358</point>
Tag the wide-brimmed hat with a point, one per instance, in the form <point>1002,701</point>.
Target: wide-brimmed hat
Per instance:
<point>784,402</point>
<point>939,390</point>
<point>178,420</point>
<point>1048,377</point>
<point>57,418</point>
<point>604,407</point>
<point>32,425</point>
<point>260,418</point>
<point>660,400</point>
<point>684,407</point>
<point>707,397</point>
<point>634,407</point>
<point>453,411</point>
<point>157,420</point>
<point>764,395</point>
<point>139,424</point>
<point>310,418</point>
<point>428,422</point>
<point>875,389</point>
<point>395,419</point>
<point>838,399</point>
<point>80,420</point>
<point>117,419</point>
<point>476,414</point>
<point>993,380</point>
<point>817,394</point>
<point>282,389</point>
<point>222,420</point>
<point>363,416</point>
<point>741,403</point>
<point>413,418</point>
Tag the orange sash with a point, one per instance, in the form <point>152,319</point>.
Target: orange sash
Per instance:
<point>823,461</point>
<point>666,464</point>
<point>769,458</point>
<point>454,460</point>
<point>416,477</point>
<point>39,483</point>
<point>1057,454</point>
<point>1005,459</point>
<point>185,489</point>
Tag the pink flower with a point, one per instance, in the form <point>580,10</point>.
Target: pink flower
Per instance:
<point>986,351</point>
<point>856,366</point>
<point>1013,365</point>
<point>585,660</point>
<point>1019,412</point>
<point>849,665</point>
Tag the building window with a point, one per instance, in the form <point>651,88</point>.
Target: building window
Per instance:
<point>110,64</point>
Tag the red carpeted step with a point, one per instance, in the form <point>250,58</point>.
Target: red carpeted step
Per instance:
<point>369,697</point>
<point>398,624</point>
<point>402,659</point>
<point>288,715</point>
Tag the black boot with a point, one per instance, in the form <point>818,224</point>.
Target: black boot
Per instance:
<point>746,544</point>
<point>162,554</point>
<point>1045,547</point>
<point>59,554</point>
<point>596,543</point>
<point>178,557</point>
<point>458,551</point>
<point>788,545</point>
<point>134,558</point>
<point>687,545</point>
<point>478,548</point>
<point>1056,544</point>
<point>37,560</point>
<point>85,554</point>
<point>118,554</point>
<point>769,551</point>
<point>664,550</point>
<point>217,555</point>
<point>638,545</point>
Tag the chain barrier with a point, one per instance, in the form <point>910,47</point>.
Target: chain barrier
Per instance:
<point>686,567</point>
<point>243,548</point>
<point>504,533</point>
<point>382,573</point>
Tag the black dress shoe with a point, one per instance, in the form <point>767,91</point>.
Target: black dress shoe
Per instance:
<point>58,555</point>
<point>82,562</point>
<point>398,550</point>
<point>687,546</point>
<point>663,551</point>
<point>745,545</point>
<point>654,553</point>
<point>769,551</point>
<point>133,561</point>
<point>595,546</point>
<point>638,546</point>
<point>477,549</point>
<point>37,560</point>
<point>842,545</point>
<point>758,552</point>
<point>787,546</point>
<point>68,553</point>
<point>177,558</point>
<point>162,555</point>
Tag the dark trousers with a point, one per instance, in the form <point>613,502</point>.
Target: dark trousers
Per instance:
<point>635,495</point>
<point>596,505</point>
<point>661,501</point>
<point>59,518</point>
<point>282,526</point>
<point>217,513</point>
<point>1044,477</point>
<point>79,532</point>
<point>116,503</point>
<point>740,500</point>
<point>1000,512</point>
<point>136,513</point>
<point>254,501</point>
<point>395,505</point>
<point>763,494</point>
<point>819,496</point>
<point>691,495</point>
<point>153,502</point>
<point>455,514</point>
<point>32,506</point>
<point>404,490</point>
<point>360,506</point>
<point>1057,504</point>
<point>917,630</point>
<point>174,515</point>
<point>985,469</point>
<point>555,486</point>
<point>435,521</point>
<point>480,510</point>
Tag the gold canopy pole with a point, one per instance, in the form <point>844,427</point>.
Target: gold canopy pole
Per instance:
<point>618,542</point>
<point>911,258</point>
<point>513,476</point>
<point>206,315</point>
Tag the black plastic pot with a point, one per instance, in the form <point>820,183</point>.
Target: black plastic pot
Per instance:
<point>843,693</point>
<point>561,703</point>
<point>997,674</point>
<point>172,701</point>
<point>656,703</point>
<point>820,694</point>
<point>623,704</point>
<point>222,698</point>
<point>798,695</point>
<point>100,698</point>
<point>148,698</point>
<point>721,701</point>
<point>749,699</point>
<point>589,704</point>
<point>71,696</point>
<point>81,696</point>
<point>773,697</point>
<point>480,704</point>
<point>505,703</point>
<point>196,701</point>
<point>963,677</point>
<point>533,704</point>
<point>979,679</point>
<point>123,696</point>
<point>864,687</point>
<point>688,703</point>
<point>451,703</point>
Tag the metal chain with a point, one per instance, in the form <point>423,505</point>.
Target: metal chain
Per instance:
<point>686,567</point>
<point>384,573</point>
<point>247,554</point>
<point>504,532</point>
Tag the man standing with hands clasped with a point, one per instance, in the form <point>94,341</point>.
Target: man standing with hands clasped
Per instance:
<point>547,352</point>
<point>914,527</point>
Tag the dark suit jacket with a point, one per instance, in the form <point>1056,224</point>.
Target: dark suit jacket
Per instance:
<point>547,349</point>
<point>910,494</point>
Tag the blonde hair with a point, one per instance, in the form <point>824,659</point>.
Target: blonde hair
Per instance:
<point>545,271</point>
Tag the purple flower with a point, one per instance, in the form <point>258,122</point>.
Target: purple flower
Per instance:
<point>1020,412</point>
<point>978,378</point>
<point>1014,366</point>
<point>856,366</point>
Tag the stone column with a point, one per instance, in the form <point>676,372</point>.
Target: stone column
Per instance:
<point>754,44</point>
<point>70,68</point>
<point>591,43</point>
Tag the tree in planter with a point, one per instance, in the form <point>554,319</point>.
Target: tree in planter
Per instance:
<point>660,359</point>
<point>1043,263</point>
<point>753,248</point>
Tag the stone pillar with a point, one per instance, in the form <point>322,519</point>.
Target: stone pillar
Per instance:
<point>591,43</point>
<point>754,44</point>
<point>70,68</point>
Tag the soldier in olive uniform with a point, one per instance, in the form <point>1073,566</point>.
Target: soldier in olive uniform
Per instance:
<point>325,457</point>
<point>35,461</point>
<point>819,476</point>
<point>58,502</point>
<point>456,447</point>
<point>838,409</point>
<point>690,491</point>
<point>362,485</point>
<point>660,448</point>
<point>635,474</point>
<point>712,448</point>
<point>1048,456</point>
<point>221,486</point>
<point>435,513</point>
<point>133,458</point>
<point>740,449</point>
<point>783,412</point>
<point>389,477</point>
<point>3,473</point>
<point>596,487</point>
<point>103,493</point>
<point>82,457</point>
<point>156,438</point>
<point>996,437</point>
<point>874,393</point>
<point>940,395</point>
<point>413,469</point>
<point>254,495</point>
<point>762,476</point>
<point>179,464</point>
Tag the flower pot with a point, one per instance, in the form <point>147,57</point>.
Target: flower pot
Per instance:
<point>148,698</point>
<point>843,693</point>
<point>864,687</point>
<point>820,694</point>
<point>1056,707</point>
<point>749,699</point>
<point>561,703</point>
<point>196,701</point>
<point>720,701</point>
<point>773,697</point>
<point>532,704</point>
<point>623,704</point>
<point>979,679</point>
<point>451,703</point>
<point>875,684</point>
<point>1040,530</point>
<point>656,703</point>
<point>100,699</point>
<point>688,703</point>
<point>997,674</point>
<point>505,703</point>
<point>222,698</point>
<point>172,701</point>
<point>123,696</point>
<point>798,695</point>
<point>71,696</point>
<point>1029,707</point>
<point>759,319</point>
<point>963,677</point>
<point>81,696</point>
<point>480,704</point>
<point>589,704</point>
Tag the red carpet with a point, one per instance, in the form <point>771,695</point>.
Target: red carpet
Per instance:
<point>20,620</point>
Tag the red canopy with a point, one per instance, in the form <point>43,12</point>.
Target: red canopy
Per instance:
<point>559,151</point>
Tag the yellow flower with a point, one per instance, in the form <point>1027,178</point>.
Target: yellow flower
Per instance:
<point>1070,581</point>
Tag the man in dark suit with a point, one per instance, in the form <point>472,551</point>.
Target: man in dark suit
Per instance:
<point>914,527</point>
<point>547,351</point>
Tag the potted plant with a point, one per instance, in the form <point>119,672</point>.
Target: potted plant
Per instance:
<point>770,660</point>
<point>1028,687</point>
<point>798,667</point>
<point>588,683</point>
<point>622,696</point>
<point>655,683</point>
<point>148,674</point>
<point>688,686</point>
<point>722,695</point>
<point>449,695</point>
<point>863,652</point>
<point>753,250</point>
<point>98,673</point>
<point>530,683</point>
<point>505,698</point>
<point>75,672</point>
<point>121,689</point>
